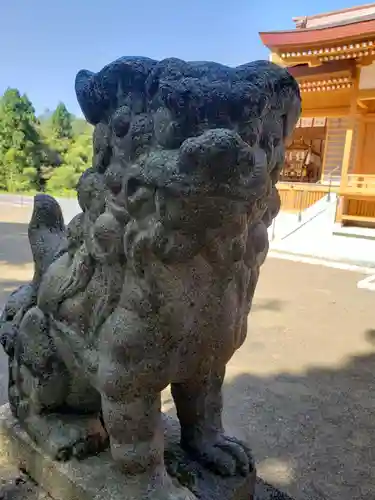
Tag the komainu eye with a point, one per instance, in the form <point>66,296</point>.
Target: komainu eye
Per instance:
<point>132,186</point>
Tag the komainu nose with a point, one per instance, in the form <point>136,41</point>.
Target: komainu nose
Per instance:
<point>215,151</point>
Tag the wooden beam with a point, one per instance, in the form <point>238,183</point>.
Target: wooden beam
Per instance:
<point>330,69</point>
<point>365,61</point>
<point>308,62</point>
<point>276,59</point>
<point>349,134</point>
<point>346,156</point>
<point>306,187</point>
<point>366,95</point>
<point>339,209</point>
<point>324,155</point>
<point>361,135</point>
<point>326,112</point>
<point>358,218</point>
<point>315,63</point>
<point>362,105</point>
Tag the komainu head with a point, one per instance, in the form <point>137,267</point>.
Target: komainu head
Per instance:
<point>188,147</point>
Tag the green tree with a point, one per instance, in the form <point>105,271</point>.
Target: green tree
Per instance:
<point>61,122</point>
<point>49,153</point>
<point>63,180</point>
<point>80,126</point>
<point>21,148</point>
<point>75,158</point>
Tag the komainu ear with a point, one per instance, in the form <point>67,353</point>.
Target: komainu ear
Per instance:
<point>101,93</point>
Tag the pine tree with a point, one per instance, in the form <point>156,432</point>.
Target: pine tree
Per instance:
<point>21,148</point>
<point>61,121</point>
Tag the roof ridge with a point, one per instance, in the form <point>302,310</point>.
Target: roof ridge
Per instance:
<point>323,27</point>
<point>333,12</point>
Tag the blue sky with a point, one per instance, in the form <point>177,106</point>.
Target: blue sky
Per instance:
<point>43,43</point>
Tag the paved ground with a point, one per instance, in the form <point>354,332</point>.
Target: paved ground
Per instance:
<point>305,381</point>
<point>300,389</point>
<point>15,269</point>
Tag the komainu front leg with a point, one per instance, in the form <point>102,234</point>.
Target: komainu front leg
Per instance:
<point>199,408</point>
<point>137,445</point>
<point>136,433</point>
<point>130,382</point>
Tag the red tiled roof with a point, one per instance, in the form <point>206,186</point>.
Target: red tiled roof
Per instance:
<point>301,37</point>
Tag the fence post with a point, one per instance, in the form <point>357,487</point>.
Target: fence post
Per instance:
<point>329,189</point>
<point>273,229</point>
<point>300,206</point>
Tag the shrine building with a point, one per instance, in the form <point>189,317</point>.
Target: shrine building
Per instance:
<point>332,56</point>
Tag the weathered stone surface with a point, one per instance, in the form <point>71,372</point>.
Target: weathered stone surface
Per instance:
<point>152,283</point>
<point>20,487</point>
<point>97,477</point>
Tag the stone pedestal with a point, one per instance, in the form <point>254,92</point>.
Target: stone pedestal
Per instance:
<point>96,478</point>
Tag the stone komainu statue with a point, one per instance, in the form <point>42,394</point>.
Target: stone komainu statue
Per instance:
<point>151,284</point>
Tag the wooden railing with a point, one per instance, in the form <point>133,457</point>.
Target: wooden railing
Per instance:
<point>358,199</point>
<point>358,184</point>
<point>299,196</point>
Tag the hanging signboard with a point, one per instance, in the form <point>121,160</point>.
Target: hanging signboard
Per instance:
<point>307,122</point>
<point>311,122</point>
<point>320,122</point>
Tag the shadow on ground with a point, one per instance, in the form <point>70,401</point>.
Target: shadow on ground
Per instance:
<point>271,305</point>
<point>313,435</point>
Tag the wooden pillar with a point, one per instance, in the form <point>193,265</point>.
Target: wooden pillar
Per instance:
<point>361,135</point>
<point>349,141</point>
<point>343,202</point>
<point>347,153</point>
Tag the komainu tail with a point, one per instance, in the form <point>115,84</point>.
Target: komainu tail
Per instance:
<point>47,234</point>
<point>47,239</point>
